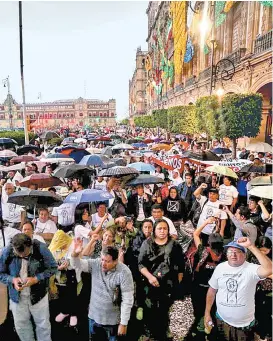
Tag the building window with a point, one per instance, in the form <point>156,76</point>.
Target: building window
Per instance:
<point>81,114</point>
<point>2,117</point>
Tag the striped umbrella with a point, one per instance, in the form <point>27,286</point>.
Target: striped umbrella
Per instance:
<point>118,171</point>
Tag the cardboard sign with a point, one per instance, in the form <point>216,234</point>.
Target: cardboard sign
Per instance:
<point>235,165</point>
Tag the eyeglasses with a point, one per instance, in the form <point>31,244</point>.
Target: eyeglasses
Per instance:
<point>234,252</point>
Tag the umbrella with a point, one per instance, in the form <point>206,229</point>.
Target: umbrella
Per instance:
<point>68,140</point>
<point>56,156</point>
<point>148,141</point>
<point>161,146</point>
<point>221,151</point>
<point>139,145</point>
<point>97,160</point>
<point>142,166</point>
<point>166,142</point>
<point>34,198</point>
<point>259,147</point>
<point>115,137</point>
<point>222,170</point>
<point>140,138</point>
<point>130,141</point>
<point>118,171</point>
<point>7,140</point>
<point>107,151</point>
<point>145,179</point>
<point>122,146</point>
<point>80,140</point>
<point>24,158</point>
<point>87,196</point>
<point>119,161</point>
<point>262,192</point>
<point>256,169</point>
<point>42,180</point>
<point>261,181</point>
<point>57,160</point>
<point>6,154</point>
<point>70,171</point>
<point>19,166</point>
<point>103,138</point>
<point>48,135</point>
<point>75,153</point>
<point>202,156</point>
<point>28,148</point>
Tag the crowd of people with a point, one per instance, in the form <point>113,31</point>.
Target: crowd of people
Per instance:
<point>118,267</point>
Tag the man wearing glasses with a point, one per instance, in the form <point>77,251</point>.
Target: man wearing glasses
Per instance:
<point>25,267</point>
<point>233,284</point>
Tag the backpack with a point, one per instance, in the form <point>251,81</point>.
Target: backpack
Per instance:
<point>196,211</point>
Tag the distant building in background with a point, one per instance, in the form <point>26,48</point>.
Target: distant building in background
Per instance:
<point>62,113</point>
<point>179,65</point>
<point>137,86</point>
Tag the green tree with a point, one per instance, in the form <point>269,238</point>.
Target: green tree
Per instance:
<point>160,118</point>
<point>241,116</point>
<point>182,119</point>
<point>125,121</point>
<point>18,136</point>
<point>208,112</point>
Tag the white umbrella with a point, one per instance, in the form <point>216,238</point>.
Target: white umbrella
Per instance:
<point>123,146</point>
<point>261,147</point>
<point>6,153</point>
<point>57,160</point>
<point>262,192</point>
<point>80,140</point>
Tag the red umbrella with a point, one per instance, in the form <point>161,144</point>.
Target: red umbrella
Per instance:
<point>103,138</point>
<point>148,141</point>
<point>72,135</point>
<point>42,180</point>
<point>24,158</point>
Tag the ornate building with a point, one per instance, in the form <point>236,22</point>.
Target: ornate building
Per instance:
<point>62,113</point>
<point>185,38</point>
<point>137,86</point>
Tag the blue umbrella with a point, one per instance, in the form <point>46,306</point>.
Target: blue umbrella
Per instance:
<point>221,150</point>
<point>87,196</point>
<point>139,145</point>
<point>56,156</point>
<point>94,160</point>
<point>142,166</point>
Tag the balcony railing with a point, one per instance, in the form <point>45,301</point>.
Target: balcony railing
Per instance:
<point>236,56</point>
<point>263,43</point>
<point>205,74</point>
<point>190,81</point>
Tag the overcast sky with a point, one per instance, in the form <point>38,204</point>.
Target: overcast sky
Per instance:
<point>70,44</point>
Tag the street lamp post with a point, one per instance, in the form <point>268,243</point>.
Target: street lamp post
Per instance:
<point>6,83</point>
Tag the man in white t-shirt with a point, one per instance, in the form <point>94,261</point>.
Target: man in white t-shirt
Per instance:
<point>45,227</point>
<point>210,208</point>
<point>12,214</point>
<point>233,284</point>
<point>28,229</point>
<point>157,213</point>
<point>64,215</point>
<point>228,194</point>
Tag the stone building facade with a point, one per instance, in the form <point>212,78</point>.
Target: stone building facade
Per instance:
<point>137,86</point>
<point>243,35</point>
<point>62,113</point>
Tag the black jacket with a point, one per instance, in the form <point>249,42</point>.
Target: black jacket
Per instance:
<point>133,207</point>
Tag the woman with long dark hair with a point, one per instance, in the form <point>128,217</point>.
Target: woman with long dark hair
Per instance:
<point>161,262</point>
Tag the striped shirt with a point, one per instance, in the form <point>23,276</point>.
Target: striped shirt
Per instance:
<point>101,307</point>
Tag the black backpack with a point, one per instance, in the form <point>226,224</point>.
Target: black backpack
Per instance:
<point>196,211</point>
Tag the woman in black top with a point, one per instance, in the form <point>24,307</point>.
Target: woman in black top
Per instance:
<point>174,207</point>
<point>161,262</point>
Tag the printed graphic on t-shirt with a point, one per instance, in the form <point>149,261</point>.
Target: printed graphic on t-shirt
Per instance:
<point>64,215</point>
<point>12,209</point>
<point>232,288</point>
<point>173,206</point>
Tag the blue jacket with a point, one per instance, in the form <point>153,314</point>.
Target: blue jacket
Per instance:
<point>41,265</point>
<point>183,188</point>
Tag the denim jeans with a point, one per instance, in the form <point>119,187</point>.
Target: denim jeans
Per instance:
<point>22,312</point>
<point>110,331</point>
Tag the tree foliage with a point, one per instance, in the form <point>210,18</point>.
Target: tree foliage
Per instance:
<point>242,115</point>
<point>125,121</point>
<point>18,136</point>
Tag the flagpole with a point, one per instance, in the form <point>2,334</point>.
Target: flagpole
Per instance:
<point>22,74</point>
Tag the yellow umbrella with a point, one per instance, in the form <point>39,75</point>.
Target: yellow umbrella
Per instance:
<point>222,170</point>
<point>161,146</point>
<point>262,192</point>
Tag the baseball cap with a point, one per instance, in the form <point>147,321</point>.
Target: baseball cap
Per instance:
<point>237,246</point>
<point>213,190</point>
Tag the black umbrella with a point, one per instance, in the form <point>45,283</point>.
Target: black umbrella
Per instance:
<point>202,156</point>
<point>144,179</point>
<point>28,148</point>
<point>48,135</point>
<point>71,170</point>
<point>256,169</point>
<point>7,140</point>
<point>118,171</point>
<point>119,161</point>
<point>33,198</point>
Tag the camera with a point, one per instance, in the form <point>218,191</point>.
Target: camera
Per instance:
<point>221,206</point>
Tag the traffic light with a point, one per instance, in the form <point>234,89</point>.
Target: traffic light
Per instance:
<point>28,123</point>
